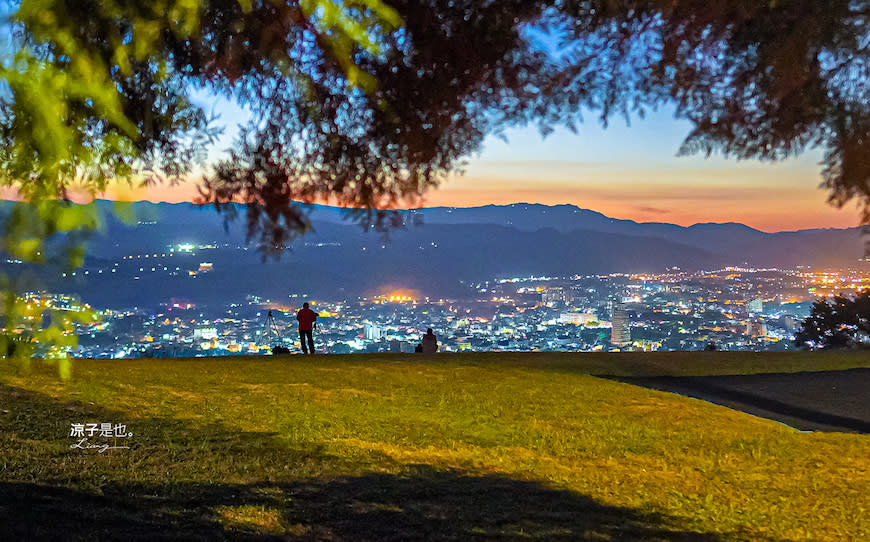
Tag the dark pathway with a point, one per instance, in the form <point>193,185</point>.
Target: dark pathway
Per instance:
<point>811,401</point>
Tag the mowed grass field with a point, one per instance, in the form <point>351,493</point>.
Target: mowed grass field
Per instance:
<point>396,447</point>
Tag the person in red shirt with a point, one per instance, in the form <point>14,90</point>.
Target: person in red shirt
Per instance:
<point>307,323</point>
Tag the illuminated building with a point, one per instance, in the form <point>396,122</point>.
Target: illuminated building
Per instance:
<point>554,296</point>
<point>577,318</point>
<point>372,332</point>
<point>620,334</point>
<point>205,333</point>
<point>756,306</point>
<point>756,329</point>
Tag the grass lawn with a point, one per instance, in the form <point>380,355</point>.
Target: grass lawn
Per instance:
<point>453,447</point>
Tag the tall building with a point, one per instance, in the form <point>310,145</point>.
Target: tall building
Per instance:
<point>620,333</point>
<point>790,323</point>
<point>755,306</point>
<point>372,332</point>
<point>553,297</point>
<point>756,328</point>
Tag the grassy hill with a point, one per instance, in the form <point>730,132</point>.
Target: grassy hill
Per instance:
<point>453,447</point>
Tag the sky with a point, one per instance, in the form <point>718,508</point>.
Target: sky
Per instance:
<point>627,172</point>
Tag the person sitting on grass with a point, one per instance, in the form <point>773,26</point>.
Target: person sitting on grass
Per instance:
<point>429,342</point>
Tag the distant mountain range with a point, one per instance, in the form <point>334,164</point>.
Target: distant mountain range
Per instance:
<point>450,249</point>
<point>728,243</point>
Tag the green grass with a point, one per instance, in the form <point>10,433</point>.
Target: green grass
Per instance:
<point>454,447</point>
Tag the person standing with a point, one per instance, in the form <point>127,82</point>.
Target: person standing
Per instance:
<point>307,323</point>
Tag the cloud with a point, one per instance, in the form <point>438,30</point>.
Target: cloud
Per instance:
<point>652,210</point>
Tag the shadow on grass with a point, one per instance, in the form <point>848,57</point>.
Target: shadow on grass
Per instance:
<point>333,498</point>
<point>426,504</point>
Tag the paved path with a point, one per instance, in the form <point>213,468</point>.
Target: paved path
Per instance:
<point>811,401</point>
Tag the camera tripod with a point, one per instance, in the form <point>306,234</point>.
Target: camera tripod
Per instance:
<point>269,327</point>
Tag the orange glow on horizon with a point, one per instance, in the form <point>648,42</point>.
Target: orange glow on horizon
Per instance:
<point>397,295</point>
<point>789,213</point>
<point>765,197</point>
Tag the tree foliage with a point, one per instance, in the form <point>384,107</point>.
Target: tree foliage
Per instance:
<point>842,322</point>
<point>370,103</point>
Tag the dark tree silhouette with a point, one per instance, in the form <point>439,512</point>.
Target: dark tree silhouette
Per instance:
<point>369,103</point>
<point>842,322</point>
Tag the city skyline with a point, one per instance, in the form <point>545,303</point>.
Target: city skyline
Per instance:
<point>733,308</point>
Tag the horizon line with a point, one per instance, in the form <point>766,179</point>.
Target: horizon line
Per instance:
<point>498,205</point>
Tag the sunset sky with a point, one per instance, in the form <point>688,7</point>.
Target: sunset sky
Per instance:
<point>624,172</point>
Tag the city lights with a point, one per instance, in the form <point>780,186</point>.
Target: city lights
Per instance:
<point>732,308</point>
